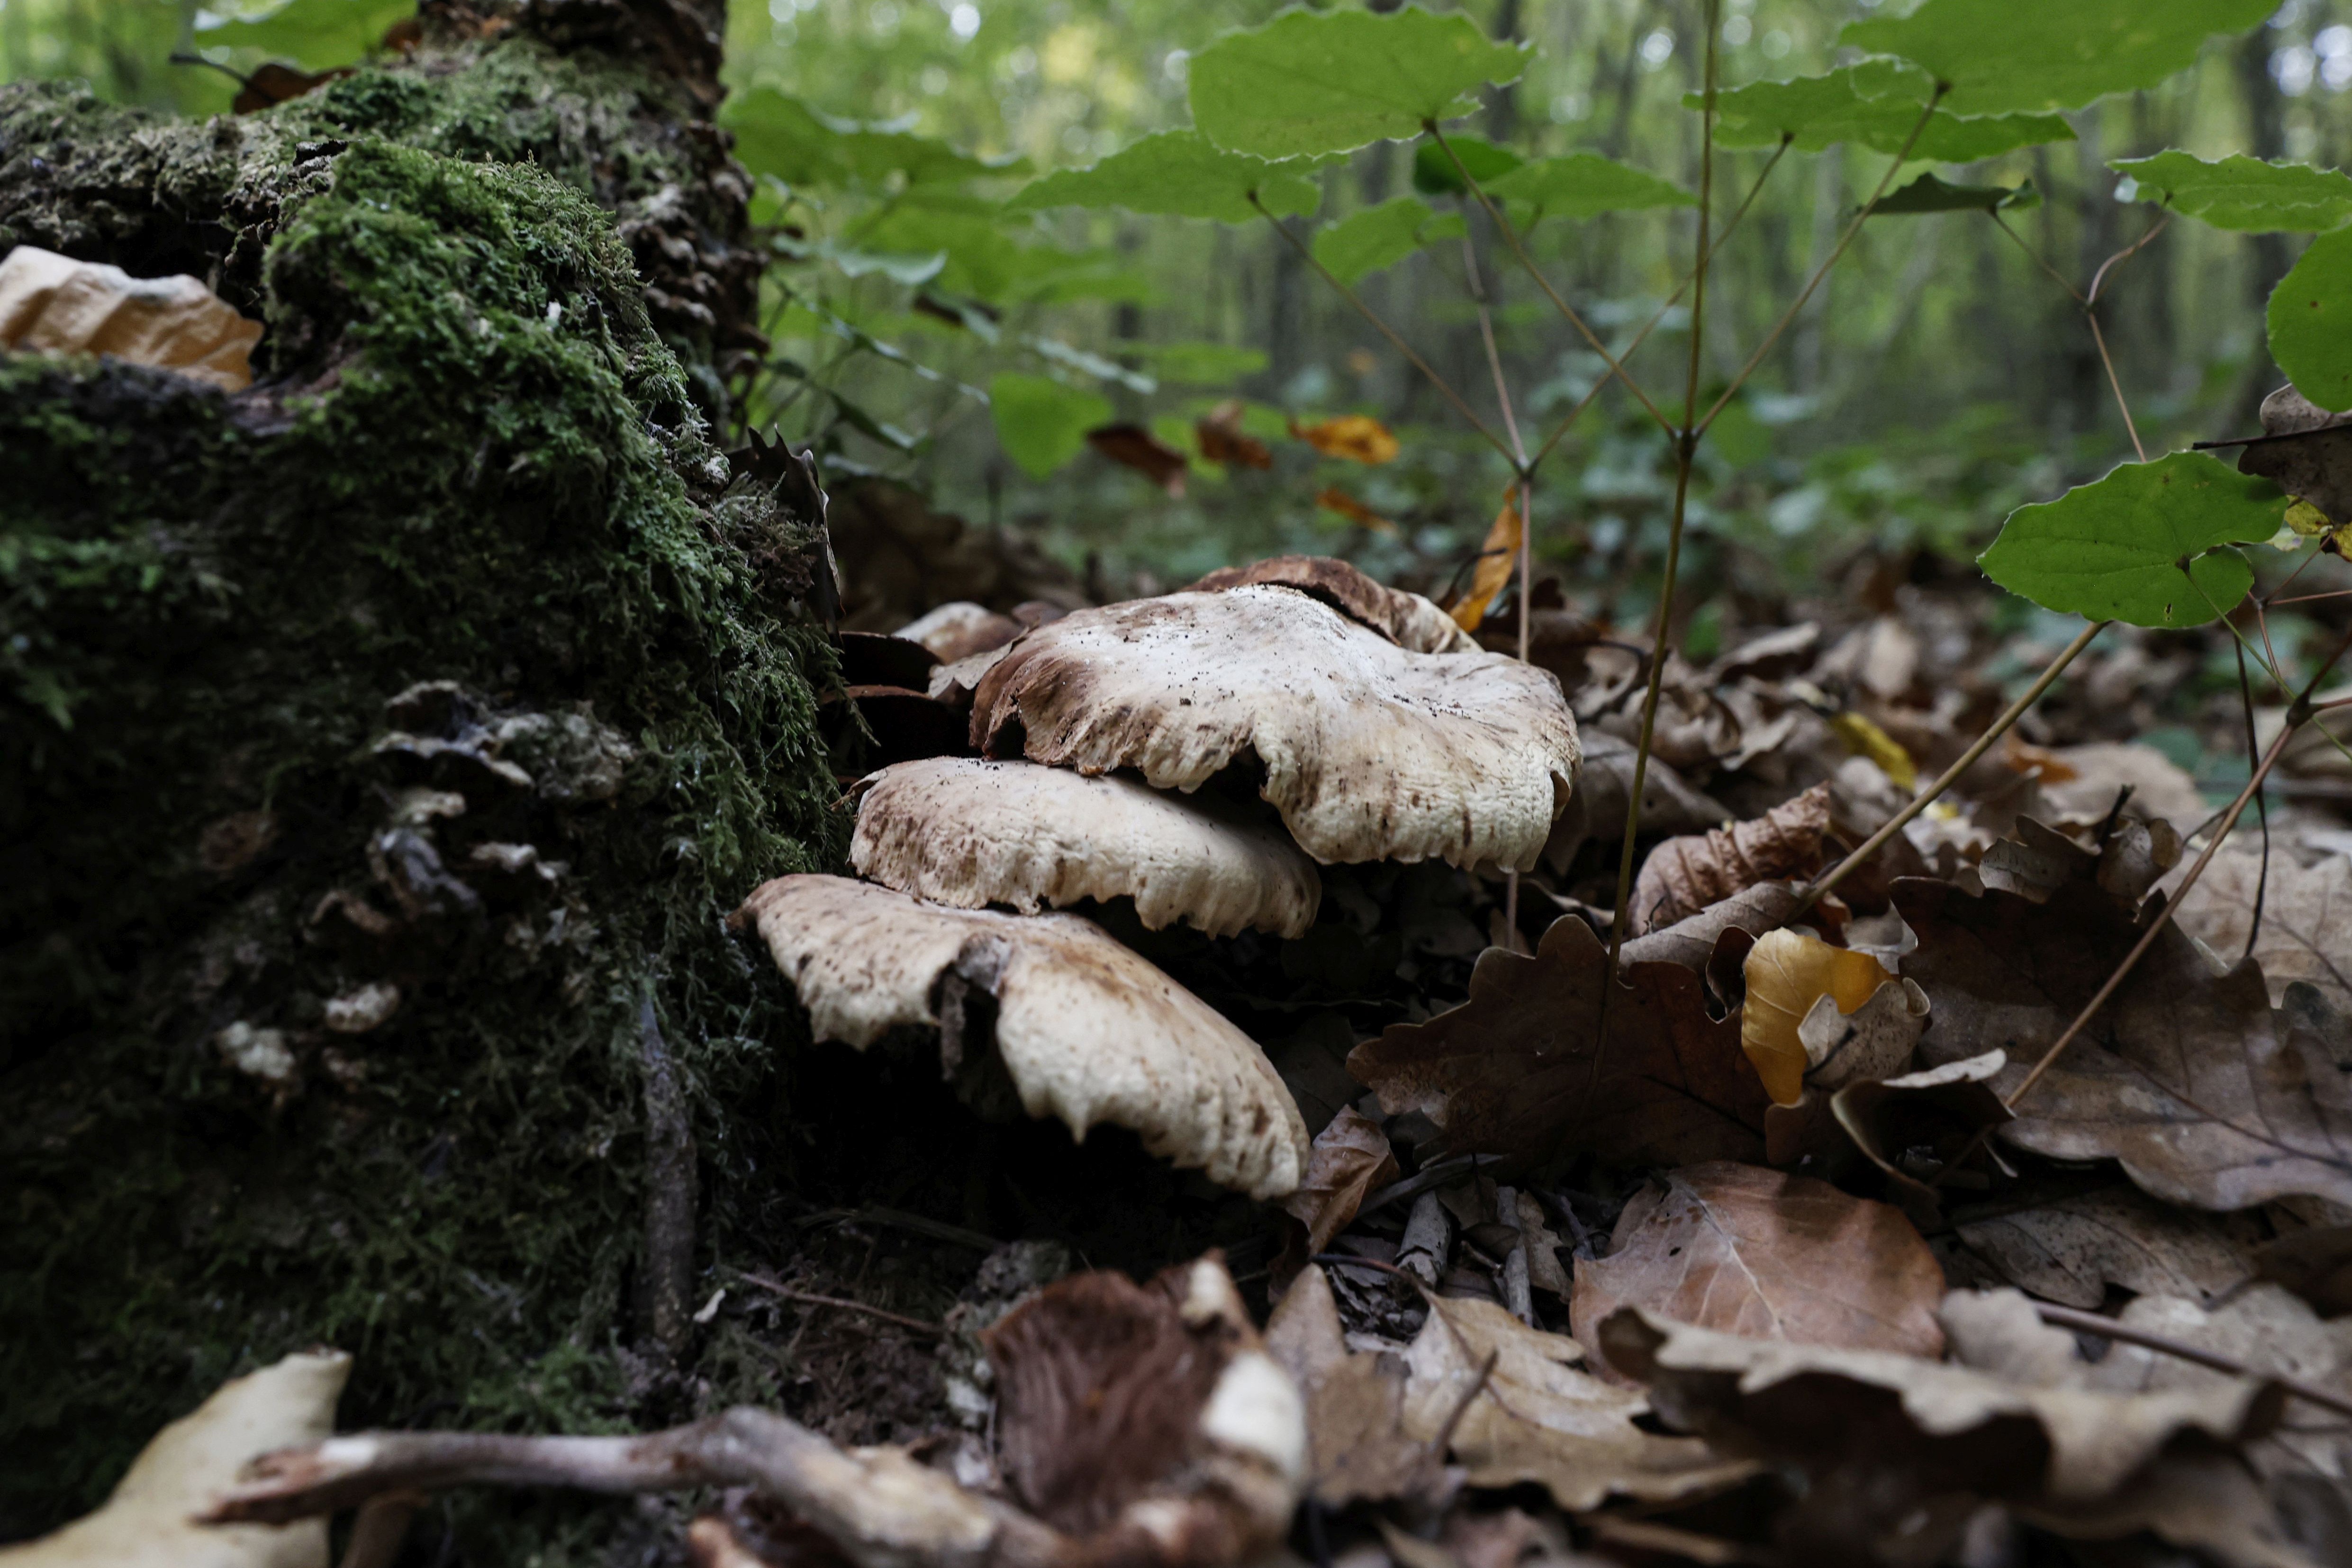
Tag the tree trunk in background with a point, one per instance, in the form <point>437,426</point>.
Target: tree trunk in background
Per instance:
<point>381,749</point>
<point>2266,138</point>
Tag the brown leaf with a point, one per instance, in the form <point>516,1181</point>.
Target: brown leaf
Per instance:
<point>2318,467</point>
<point>1512,1072</point>
<point>2205,1094</point>
<point>1771,1256</point>
<point>1357,437</point>
<point>1692,942</point>
<point>1938,1110</point>
<point>273,84</point>
<point>1108,1401</point>
<point>1404,618</point>
<point>1539,1418</point>
<point>54,304</point>
<point>2071,1249</point>
<point>1897,1447</point>
<point>1331,497</point>
<point>1350,1159</point>
<point>1146,454</point>
<point>1222,441</point>
<point>2306,930</point>
<point>1356,1446</point>
<point>2315,1263</point>
<point>1684,876</point>
<point>1597,810</point>
<point>1498,557</point>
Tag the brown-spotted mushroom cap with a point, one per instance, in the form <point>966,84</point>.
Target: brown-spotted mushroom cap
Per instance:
<point>1406,619</point>
<point>1371,751</point>
<point>1087,1031</point>
<point>960,831</point>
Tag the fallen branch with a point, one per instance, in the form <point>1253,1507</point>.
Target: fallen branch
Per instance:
<point>776,1287</point>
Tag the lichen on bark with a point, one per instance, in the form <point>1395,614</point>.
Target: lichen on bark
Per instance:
<point>380,750</point>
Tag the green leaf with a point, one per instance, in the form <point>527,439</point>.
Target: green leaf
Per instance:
<point>1330,81</point>
<point>2005,56</point>
<point>1373,238</point>
<point>2242,192</point>
<point>2311,321</point>
<point>1180,174</point>
<point>1040,423</point>
<point>1201,364</point>
<point>1876,104</point>
<point>1586,185</point>
<point>316,34</point>
<point>1930,194</point>
<point>781,136</point>
<point>1434,174</point>
<point>912,271</point>
<point>986,263</point>
<point>2146,545</point>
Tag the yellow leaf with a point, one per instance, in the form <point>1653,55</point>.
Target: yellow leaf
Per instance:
<point>1865,739</point>
<point>2308,520</point>
<point>1496,559</point>
<point>1334,498</point>
<point>53,303</point>
<point>1357,436</point>
<point>1787,972</point>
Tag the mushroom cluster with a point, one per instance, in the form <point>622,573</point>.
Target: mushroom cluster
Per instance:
<point>1372,728</point>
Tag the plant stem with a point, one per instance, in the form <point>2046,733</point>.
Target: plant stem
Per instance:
<point>1846,239</point>
<point>1440,382</point>
<point>1685,450</point>
<point>1951,775</point>
<point>1511,237</point>
<point>2082,1322</point>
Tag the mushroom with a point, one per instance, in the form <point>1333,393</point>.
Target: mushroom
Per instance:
<point>960,831</point>
<point>1371,751</point>
<point>1086,1031</point>
<point>1406,619</point>
<point>960,628</point>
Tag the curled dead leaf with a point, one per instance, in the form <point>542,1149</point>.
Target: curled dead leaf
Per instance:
<point>1350,1159</point>
<point>1331,497</point>
<point>1684,876</point>
<point>1788,972</point>
<point>1498,556</point>
<point>1134,446</point>
<point>54,304</point>
<point>1358,437</point>
<point>1218,432</point>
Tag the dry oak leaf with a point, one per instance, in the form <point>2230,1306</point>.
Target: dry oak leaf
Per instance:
<point>1684,876</point>
<point>2306,930</point>
<point>1371,751</point>
<point>1538,1417</point>
<point>1148,1412</point>
<point>1770,1256</point>
<point>2207,1096</point>
<point>1359,437</point>
<point>2071,1249</point>
<point>1356,1446</point>
<point>1790,974</point>
<point>1670,804</point>
<point>1086,1031</point>
<point>1138,448</point>
<point>1350,1159</point>
<point>1694,941</point>
<point>1406,619</point>
<point>961,831</point>
<point>54,304</point>
<point>1511,1071</point>
<point>1902,1450</point>
<point>148,1521</point>
<point>1937,1110</point>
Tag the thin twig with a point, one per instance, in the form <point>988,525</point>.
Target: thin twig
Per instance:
<point>2261,804</point>
<point>1846,239</point>
<point>1462,1406</point>
<point>2131,426</point>
<point>2082,1322</point>
<point>1504,226</point>
<point>1950,775</point>
<point>811,1297</point>
<point>1444,387</point>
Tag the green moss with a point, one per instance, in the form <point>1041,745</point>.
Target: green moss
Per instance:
<point>474,462</point>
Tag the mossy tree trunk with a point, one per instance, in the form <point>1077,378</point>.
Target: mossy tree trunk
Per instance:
<point>381,748</point>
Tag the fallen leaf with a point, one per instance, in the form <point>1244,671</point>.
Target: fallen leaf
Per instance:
<point>54,304</point>
<point>149,1521</point>
<point>1935,1112</point>
<point>1356,1446</point>
<point>1771,1256</point>
<point>1350,1160</point>
<point>1788,971</point>
<point>2317,469</point>
<point>1863,738</point>
<point>1597,810</point>
<point>272,83</point>
<point>1498,555</point>
<point>1512,1071</point>
<point>2306,930</point>
<point>1897,1447</point>
<point>2070,1250</point>
<point>1684,876</point>
<point>2206,1095</point>
<point>2102,770</point>
<point>1138,448</point>
<point>1359,437</point>
<point>1537,1418</point>
<point>2315,1264</point>
<point>1692,942</point>
<point>1331,497</point>
<point>1406,619</point>
<point>1220,434</point>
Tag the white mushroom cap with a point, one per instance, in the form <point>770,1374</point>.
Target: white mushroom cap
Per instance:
<point>1371,751</point>
<point>1406,619</point>
<point>959,629</point>
<point>956,830</point>
<point>1087,1031</point>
